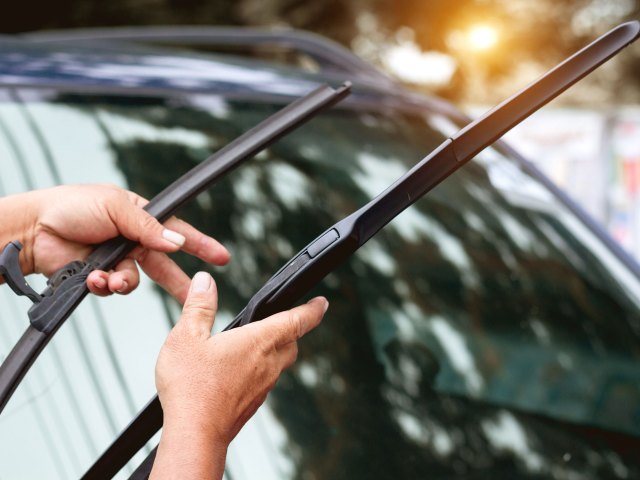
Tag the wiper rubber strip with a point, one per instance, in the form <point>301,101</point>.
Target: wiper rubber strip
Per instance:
<point>336,244</point>
<point>67,287</point>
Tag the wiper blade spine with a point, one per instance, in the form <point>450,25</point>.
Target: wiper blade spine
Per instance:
<point>61,297</point>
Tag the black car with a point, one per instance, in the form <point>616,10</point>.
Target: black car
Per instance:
<point>490,331</point>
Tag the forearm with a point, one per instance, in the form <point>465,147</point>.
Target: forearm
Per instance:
<point>188,452</point>
<point>18,214</point>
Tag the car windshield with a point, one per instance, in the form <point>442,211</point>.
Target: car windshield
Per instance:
<point>458,339</point>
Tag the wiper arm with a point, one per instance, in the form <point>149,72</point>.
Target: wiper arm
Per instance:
<point>336,244</point>
<point>331,248</point>
<point>67,287</point>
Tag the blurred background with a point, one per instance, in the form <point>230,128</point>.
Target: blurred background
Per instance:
<point>471,52</point>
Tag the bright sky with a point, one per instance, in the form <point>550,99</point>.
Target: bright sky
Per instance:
<point>411,64</point>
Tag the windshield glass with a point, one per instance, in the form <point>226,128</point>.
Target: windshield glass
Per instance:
<point>485,303</point>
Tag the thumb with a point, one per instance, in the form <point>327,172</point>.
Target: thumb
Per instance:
<point>136,224</point>
<point>201,305</point>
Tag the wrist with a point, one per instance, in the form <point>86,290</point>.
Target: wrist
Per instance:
<point>189,449</point>
<point>194,415</point>
<point>194,425</point>
<point>19,215</point>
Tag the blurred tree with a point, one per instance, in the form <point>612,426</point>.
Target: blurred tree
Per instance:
<point>529,37</point>
<point>490,46</point>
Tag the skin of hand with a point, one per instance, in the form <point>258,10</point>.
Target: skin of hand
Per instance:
<point>209,386</point>
<point>60,224</point>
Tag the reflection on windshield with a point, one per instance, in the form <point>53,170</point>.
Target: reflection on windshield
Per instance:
<point>485,302</point>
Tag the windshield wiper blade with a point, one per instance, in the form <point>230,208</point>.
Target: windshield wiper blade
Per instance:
<point>67,287</point>
<point>341,240</point>
<point>336,244</point>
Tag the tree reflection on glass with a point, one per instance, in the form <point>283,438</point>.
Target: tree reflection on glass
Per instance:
<point>482,304</point>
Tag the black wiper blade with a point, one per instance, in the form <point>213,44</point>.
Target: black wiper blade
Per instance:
<point>337,243</point>
<point>331,248</point>
<point>67,287</point>
<point>48,313</point>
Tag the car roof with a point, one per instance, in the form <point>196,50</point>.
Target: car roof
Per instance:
<point>110,65</point>
<point>110,59</point>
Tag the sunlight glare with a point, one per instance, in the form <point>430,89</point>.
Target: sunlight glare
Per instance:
<point>482,37</point>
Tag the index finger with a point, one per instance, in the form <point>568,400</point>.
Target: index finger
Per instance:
<point>288,326</point>
<point>196,243</point>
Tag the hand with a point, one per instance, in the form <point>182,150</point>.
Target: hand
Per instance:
<point>209,386</point>
<point>68,220</point>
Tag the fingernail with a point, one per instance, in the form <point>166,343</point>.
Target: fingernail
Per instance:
<point>100,282</point>
<point>173,237</point>
<point>322,299</point>
<point>123,288</point>
<point>201,282</point>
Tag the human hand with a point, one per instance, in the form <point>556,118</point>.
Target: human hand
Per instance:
<point>209,386</point>
<point>68,220</point>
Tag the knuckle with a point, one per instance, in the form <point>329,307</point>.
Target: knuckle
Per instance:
<point>147,222</point>
<point>199,305</point>
<point>294,321</point>
<point>198,309</point>
<point>190,326</point>
<point>265,346</point>
<point>133,279</point>
<point>116,195</point>
<point>114,203</point>
<point>141,255</point>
